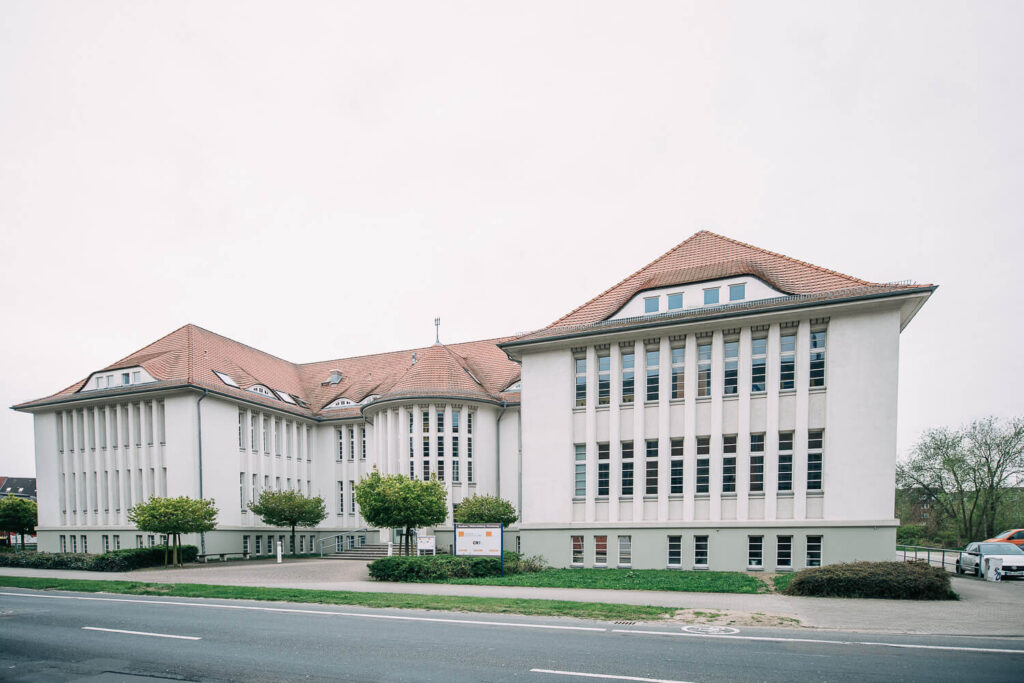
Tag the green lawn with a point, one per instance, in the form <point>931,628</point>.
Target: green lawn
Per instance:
<point>629,579</point>
<point>582,610</point>
<point>782,580</point>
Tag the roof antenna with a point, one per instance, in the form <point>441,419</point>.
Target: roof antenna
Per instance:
<point>437,330</point>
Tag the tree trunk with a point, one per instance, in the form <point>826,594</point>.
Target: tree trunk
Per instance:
<point>23,542</point>
<point>293,542</point>
<point>165,551</point>
<point>177,557</point>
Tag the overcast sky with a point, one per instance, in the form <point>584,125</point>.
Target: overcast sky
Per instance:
<point>320,180</point>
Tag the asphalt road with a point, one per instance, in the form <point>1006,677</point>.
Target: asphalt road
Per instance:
<point>50,636</point>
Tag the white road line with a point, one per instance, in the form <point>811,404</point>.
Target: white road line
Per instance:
<point>582,674</point>
<point>393,617</point>
<point>139,633</point>
<point>909,646</point>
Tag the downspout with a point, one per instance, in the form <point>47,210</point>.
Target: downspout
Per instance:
<point>519,458</point>
<point>497,447</point>
<point>199,424</point>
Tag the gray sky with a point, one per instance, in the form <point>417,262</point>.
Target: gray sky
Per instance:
<point>320,180</point>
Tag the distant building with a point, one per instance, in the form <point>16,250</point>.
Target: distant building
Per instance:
<point>723,407</point>
<point>22,487</point>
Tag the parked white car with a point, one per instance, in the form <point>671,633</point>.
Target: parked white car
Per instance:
<point>973,555</point>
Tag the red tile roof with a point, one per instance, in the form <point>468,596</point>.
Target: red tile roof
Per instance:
<point>709,256</point>
<point>189,355</point>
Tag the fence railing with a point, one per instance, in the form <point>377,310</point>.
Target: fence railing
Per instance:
<point>940,557</point>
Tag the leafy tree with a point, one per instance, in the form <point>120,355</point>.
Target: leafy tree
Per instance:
<point>19,515</point>
<point>395,501</point>
<point>968,473</point>
<point>174,517</point>
<point>289,508</point>
<point>486,510</point>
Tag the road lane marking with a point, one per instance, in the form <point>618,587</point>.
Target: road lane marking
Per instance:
<point>819,641</point>
<point>139,633</point>
<point>393,617</point>
<point>582,674</point>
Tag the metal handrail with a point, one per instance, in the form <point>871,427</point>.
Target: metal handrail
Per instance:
<point>347,533</point>
<point>928,552</point>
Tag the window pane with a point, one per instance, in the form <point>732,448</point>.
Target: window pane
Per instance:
<point>675,301</point>
<point>651,305</point>
<point>737,292</point>
<point>711,296</point>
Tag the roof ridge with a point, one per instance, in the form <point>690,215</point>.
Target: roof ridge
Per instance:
<point>788,258</point>
<point>627,278</point>
<point>493,340</point>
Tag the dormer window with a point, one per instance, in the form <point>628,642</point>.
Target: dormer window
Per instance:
<point>515,386</point>
<point>285,397</point>
<point>651,304</point>
<point>675,301</point>
<point>371,397</point>
<point>737,292</point>
<point>262,391</point>
<point>711,296</point>
<point>227,379</point>
<point>338,403</point>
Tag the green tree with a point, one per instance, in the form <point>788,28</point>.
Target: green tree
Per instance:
<point>19,515</point>
<point>968,474</point>
<point>395,501</point>
<point>486,510</point>
<point>173,517</point>
<point>289,508</point>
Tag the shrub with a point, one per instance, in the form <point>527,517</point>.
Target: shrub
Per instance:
<point>114,561</point>
<point>434,568</point>
<point>891,580</point>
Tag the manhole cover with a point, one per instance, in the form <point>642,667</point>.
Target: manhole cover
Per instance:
<point>711,630</point>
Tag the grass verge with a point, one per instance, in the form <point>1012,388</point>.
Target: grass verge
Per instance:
<point>782,581</point>
<point>628,579</point>
<point>555,608</point>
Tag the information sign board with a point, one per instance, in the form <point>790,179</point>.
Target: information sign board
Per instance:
<point>426,543</point>
<point>478,540</point>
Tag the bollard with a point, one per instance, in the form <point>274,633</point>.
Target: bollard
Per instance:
<point>279,552</point>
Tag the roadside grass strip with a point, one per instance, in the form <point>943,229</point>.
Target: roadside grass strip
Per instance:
<point>782,581</point>
<point>598,611</point>
<point>628,579</point>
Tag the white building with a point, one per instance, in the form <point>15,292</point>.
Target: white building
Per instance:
<point>724,407</point>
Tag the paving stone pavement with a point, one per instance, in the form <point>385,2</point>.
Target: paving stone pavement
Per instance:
<point>984,608</point>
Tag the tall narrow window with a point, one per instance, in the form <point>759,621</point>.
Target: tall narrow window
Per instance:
<point>625,551</point>
<point>628,373</point>
<point>440,469</point>
<point>600,550</point>
<point>426,464</point>
<point>729,463</point>
<point>577,549</point>
<point>266,434</point>
<point>604,382</point>
<point>652,467</point>
<point>701,551</point>
<point>756,463</point>
<point>362,433</point>
<point>455,446</point>
<point>731,379</point>
<point>818,359</point>
<point>254,442</point>
<point>627,468</point>
<point>755,551</point>
<point>341,444</point>
<point>426,421</point>
<point>703,370</point>
<point>652,375</point>
<point>814,460</point>
<point>787,357</point>
<point>277,438</point>
<point>758,365</point>
<point>351,443</point>
<point>603,465</point>
<point>352,496</point>
<point>703,464</point>
<point>786,461</point>
<point>784,552</point>
<point>678,371</point>
<point>581,382</point>
<point>469,447</point>
<point>581,471</point>
<point>814,551</point>
<point>241,429</point>
<point>675,551</point>
<point>676,471</point>
<point>241,490</point>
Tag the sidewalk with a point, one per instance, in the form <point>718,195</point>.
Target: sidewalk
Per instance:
<point>990,609</point>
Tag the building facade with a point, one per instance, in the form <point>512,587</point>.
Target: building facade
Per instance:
<point>724,407</point>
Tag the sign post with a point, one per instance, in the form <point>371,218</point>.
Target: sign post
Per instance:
<point>480,540</point>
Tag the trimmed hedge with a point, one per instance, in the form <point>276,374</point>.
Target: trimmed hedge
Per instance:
<point>890,580</point>
<point>114,561</point>
<point>433,568</point>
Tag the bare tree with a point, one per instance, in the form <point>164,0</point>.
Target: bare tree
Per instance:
<point>967,472</point>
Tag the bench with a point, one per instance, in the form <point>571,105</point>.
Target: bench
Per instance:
<point>221,556</point>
